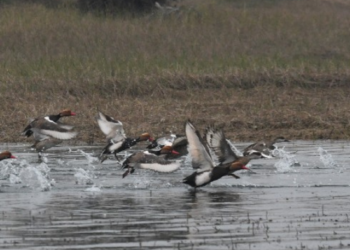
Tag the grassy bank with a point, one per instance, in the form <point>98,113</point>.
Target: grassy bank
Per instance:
<point>261,68</point>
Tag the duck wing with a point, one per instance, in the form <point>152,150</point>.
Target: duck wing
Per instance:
<point>113,129</point>
<point>217,142</point>
<point>65,126</point>
<point>201,158</point>
<point>180,141</point>
<point>43,129</point>
<point>146,160</point>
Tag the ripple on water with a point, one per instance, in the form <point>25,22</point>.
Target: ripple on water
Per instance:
<point>294,205</point>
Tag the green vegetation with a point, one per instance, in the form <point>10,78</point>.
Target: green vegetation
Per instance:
<point>54,58</point>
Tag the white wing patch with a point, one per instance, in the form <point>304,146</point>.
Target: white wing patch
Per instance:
<point>108,127</point>
<point>38,136</point>
<point>65,126</point>
<point>59,135</point>
<point>163,168</point>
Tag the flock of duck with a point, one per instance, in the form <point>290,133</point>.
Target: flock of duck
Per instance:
<point>211,155</point>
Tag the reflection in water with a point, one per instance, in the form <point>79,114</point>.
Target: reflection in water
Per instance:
<point>267,210</point>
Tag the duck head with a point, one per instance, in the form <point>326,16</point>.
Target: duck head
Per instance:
<point>66,112</point>
<point>243,161</point>
<point>6,155</point>
<point>168,150</point>
<point>145,137</point>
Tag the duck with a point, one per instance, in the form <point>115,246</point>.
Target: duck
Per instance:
<point>6,155</point>
<point>48,133</point>
<point>177,142</point>
<point>265,148</point>
<point>54,118</point>
<point>152,160</point>
<point>115,135</point>
<point>199,150</point>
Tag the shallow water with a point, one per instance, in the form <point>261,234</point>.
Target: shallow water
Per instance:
<point>299,200</point>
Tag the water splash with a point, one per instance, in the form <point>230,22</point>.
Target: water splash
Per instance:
<point>328,161</point>
<point>36,177</point>
<point>141,182</point>
<point>14,179</point>
<point>89,157</point>
<point>84,177</point>
<point>8,168</point>
<point>93,189</point>
<point>287,161</point>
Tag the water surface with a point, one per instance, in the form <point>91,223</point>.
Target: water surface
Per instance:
<point>299,200</point>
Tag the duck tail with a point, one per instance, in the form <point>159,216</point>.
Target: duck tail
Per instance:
<point>190,180</point>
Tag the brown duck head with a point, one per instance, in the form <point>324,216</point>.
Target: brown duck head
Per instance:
<point>145,137</point>
<point>6,155</point>
<point>66,112</point>
<point>168,150</point>
<point>243,161</point>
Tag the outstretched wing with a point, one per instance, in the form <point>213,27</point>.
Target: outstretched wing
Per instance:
<point>113,129</point>
<point>43,129</point>
<point>217,142</point>
<point>197,148</point>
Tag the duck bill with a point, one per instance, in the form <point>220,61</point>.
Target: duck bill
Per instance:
<point>73,114</point>
<point>251,171</point>
<point>174,152</point>
<point>244,167</point>
<point>13,157</point>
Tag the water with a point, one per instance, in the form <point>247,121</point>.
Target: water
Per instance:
<point>299,200</point>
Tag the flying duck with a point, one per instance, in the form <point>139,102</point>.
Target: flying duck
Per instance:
<point>206,172</point>
<point>54,118</point>
<point>115,135</point>
<point>263,147</point>
<point>152,160</point>
<point>48,132</point>
<point>177,142</point>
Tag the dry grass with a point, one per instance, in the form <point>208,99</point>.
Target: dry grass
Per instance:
<point>261,68</point>
<point>246,114</point>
